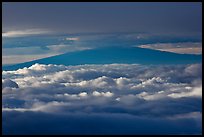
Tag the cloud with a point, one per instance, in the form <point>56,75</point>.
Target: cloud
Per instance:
<point>167,95</point>
<point>197,92</point>
<point>24,33</point>
<point>72,38</point>
<point>106,94</point>
<point>63,48</point>
<point>9,83</point>
<point>42,46</point>
<point>16,55</point>
<point>182,48</point>
<point>15,59</point>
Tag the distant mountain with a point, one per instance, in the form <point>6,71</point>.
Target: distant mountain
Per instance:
<point>109,55</point>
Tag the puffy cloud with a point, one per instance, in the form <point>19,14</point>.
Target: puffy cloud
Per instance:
<point>106,94</point>
<point>154,92</point>
<point>196,92</point>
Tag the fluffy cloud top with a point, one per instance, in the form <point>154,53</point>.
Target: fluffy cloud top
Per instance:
<point>169,96</point>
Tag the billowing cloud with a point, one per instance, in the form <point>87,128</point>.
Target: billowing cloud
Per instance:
<point>197,92</point>
<point>170,96</point>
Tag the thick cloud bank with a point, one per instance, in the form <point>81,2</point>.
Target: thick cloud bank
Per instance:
<point>103,99</point>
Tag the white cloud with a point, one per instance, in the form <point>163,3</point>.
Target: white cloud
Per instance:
<point>104,80</point>
<point>63,48</point>
<point>105,94</point>
<point>15,59</point>
<point>183,48</point>
<point>72,38</point>
<point>115,89</point>
<point>196,92</point>
<point>16,55</point>
<point>24,33</point>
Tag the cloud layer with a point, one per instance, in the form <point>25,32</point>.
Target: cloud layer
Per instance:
<point>183,48</point>
<point>30,44</point>
<point>151,99</point>
<point>23,33</point>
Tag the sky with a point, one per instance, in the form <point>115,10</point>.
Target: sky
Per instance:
<point>167,17</point>
<point>31,30</point>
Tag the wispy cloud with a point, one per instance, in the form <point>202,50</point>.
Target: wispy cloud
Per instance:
<point>24,33</point>
<point>15,59</point>
<point>63,48</point>
<point>72,38</point>
<point>25,54</point>
<point>182,48</point>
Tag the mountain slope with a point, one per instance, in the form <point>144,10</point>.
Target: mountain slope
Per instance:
<point>110,55</point>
